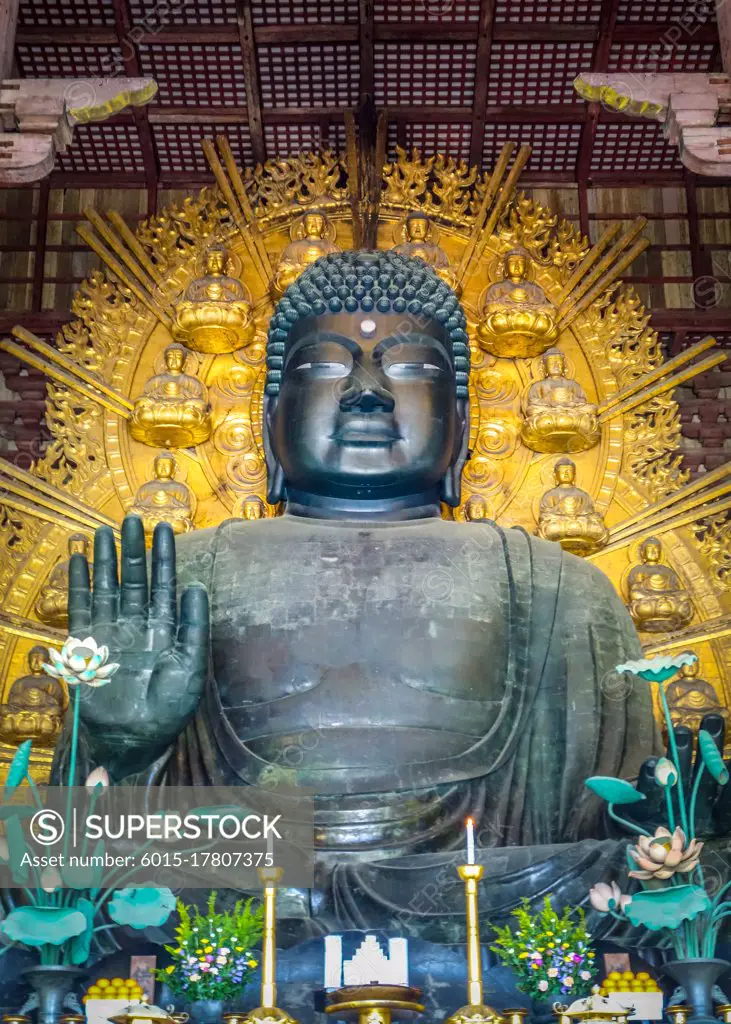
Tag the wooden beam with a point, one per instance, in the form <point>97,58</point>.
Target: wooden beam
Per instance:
<point>479,103</point>
<point>40,252</point>
<point>700,262</point>
<point>584,219</point>
<point>365,48</point>
<point>245,28</point>
<point>600,62</point>
<point>8,27</point>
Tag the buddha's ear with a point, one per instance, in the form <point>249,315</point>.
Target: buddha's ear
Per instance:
<point>451,490</point>
<point>275,473</point>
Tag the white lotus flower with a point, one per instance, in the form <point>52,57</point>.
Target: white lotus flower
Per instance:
<point>99,777</point>
<point>81,661</point>
<point>608,896</point>
<point>50,879</point>
<point>657,670</point>
<point>666,774</point>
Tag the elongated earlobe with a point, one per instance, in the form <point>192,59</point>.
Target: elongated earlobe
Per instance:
<point>275,473</point>
<point>451,486</point>
<point>275,485</point>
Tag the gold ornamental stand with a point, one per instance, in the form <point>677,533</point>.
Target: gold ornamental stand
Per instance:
<point>269,1012</point>
<point>475,1012</point>
<point>375,1004</point>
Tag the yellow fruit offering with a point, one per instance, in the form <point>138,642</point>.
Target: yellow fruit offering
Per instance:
<point>116,982</point>
<point>614,976</point>
<point>102,983</point>
<point>643,976</point>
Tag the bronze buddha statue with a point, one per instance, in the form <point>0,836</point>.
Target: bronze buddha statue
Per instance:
<point>567,514</point>
<point>557,416</point>
<point>658,603</point>
<point>444,670</point>
<point>173,410</point>
<point>35,706</point>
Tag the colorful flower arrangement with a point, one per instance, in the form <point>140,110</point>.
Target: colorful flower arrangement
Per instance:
<point>672,899</point>
<point>550,953</point>
<point>214,955</point>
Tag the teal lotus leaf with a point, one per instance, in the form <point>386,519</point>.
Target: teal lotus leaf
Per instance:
<point>81,944</point>
<point>16,811</point>
<point>712,758</point>
<point>614,791</point>
<point>667,908</point>
<point>18,768</point>
<point>78,876</point>
<point>141,908</point>
<point>16,848</point>
<point>43,926</point>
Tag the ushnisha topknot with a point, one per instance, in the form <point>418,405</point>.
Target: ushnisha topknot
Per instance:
<point>380,281</point>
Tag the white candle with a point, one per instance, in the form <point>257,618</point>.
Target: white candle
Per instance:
<point>333,961</point>
<point>470,841</point>
<point>399,959</point>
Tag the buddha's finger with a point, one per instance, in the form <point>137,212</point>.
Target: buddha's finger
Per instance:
<point>79,597</point>
<point>105,595</point>
<point>192,638</point>
<point>134,597</point>
<point>163,594</point>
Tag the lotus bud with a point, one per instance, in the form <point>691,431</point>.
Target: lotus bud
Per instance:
<point>99,778</point>
<point>666,774</point>
<point>50,879</point>
<point>4,849</point>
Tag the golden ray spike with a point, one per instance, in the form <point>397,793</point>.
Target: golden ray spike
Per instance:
<point>128,236</point>
<point>662,525</point>
<point>689,504</point>
<point>660,387</point>
<point>35,511</point>
<point>588,261</point>
<point>233,204</point>
<point>118,270</point>
<point>16,625</point>
<point>66,363</point>
<point>38,486</point>
<point>605,264</point>
<point>491,190</point>
<point>603,283</point>
<point>657,373</point>
<point>43,507</point>
<point>712,629</point>
<point>694,487</point>
<point>121,250</point>
<point>224,148</point>
<point>62,377</point>
<point>504,197</point>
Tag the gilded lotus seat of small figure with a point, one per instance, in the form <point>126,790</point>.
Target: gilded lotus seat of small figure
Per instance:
<point>312,237</point>
<point>52,602</point>
<point>35,706</point>
<point>567,514</point>
<point>215,314</point>
<point>658,603</point>
<point>164,499</point>
<point>172,411</point>
<point>516,319</point>
<point>557,416</point>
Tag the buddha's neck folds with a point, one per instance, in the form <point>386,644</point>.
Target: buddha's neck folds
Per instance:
<point>315,506</point>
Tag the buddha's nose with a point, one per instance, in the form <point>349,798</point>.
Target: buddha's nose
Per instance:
<point>364,392</point>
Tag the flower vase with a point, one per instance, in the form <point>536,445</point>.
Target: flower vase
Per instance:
<point>698,976</point>
<point>206,1011</point>
<point>51,985</point>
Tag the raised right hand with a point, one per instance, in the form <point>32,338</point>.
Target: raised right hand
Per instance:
<point>163,659</point>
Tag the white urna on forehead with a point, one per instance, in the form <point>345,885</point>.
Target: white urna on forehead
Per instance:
<point>368,328</point>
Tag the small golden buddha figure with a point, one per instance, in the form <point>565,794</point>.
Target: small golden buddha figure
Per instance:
<point>309,242</point>
<point>173,410</point>
<point>557,416</point>
<point>567,514</point>
<point>52,604</point>
<point>215,314</point>
<point>475,509</point>
<point>164,499</point>
<point>419,242</point>
<point>691,698</point>
<point>35,706</point>
<point>516,318</point>
<point>657,601</point>
<point>251,508</point>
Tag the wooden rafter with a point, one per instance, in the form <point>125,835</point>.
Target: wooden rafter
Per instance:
<point>245,39</point>
<point>479,105</point>
<point>367,85</point>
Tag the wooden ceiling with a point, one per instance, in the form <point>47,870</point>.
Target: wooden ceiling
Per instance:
<point>457,76</point>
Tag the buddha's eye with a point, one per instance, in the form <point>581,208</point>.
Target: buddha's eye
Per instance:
<point>330,370</point>
<point>413,371</point>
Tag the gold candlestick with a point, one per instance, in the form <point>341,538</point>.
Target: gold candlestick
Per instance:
<point>268,1012</point>
<point>475,1012</point>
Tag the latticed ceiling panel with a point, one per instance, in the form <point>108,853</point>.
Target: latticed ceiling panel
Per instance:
<point>575,11</point>
<point>684,12</point>
<point>103,149</point>
<point>68,61</point>
<point>646,58</point>
<point>179,145</point>
<point>202,12</point>
<point>284,140</point>
<point>427,10</point>
<point>195,74</point>
<point>536,72</point>
<point>451,138</point>
<point>65,12</point>
<point>555,147</point>
<point>425,74</point>
<point>303,12</point>
<point>632,148</point>
<point>315,75</point>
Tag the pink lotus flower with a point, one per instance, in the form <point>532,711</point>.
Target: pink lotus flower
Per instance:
<point>661,855</point>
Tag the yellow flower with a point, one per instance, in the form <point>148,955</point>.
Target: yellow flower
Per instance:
<point>202,960</point>
<point>199,951</point>
<point>209,949</point>
<point>522,956</point>
<point>564,945</point>
<point>252,963</point>
<point>238,948</point>
<point>170,969</point>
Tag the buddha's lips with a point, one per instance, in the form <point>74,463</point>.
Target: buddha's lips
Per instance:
<point>366,432</point>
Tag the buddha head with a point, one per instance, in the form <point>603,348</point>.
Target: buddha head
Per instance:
<point>554,363</point>
<point>476,509</point>
<point>314,224</point>
<point>516,266</point>
<point>691,670</point>
<point>651,550</point>
<point>174,358</point>
<point>164,466</point>
<point>78,544</point>
<point>216,260</point>
<point>417,227</point>
<point>37,657</point>
<point>252,508</point>
<point>564,472</point>
<point>366,394</point>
